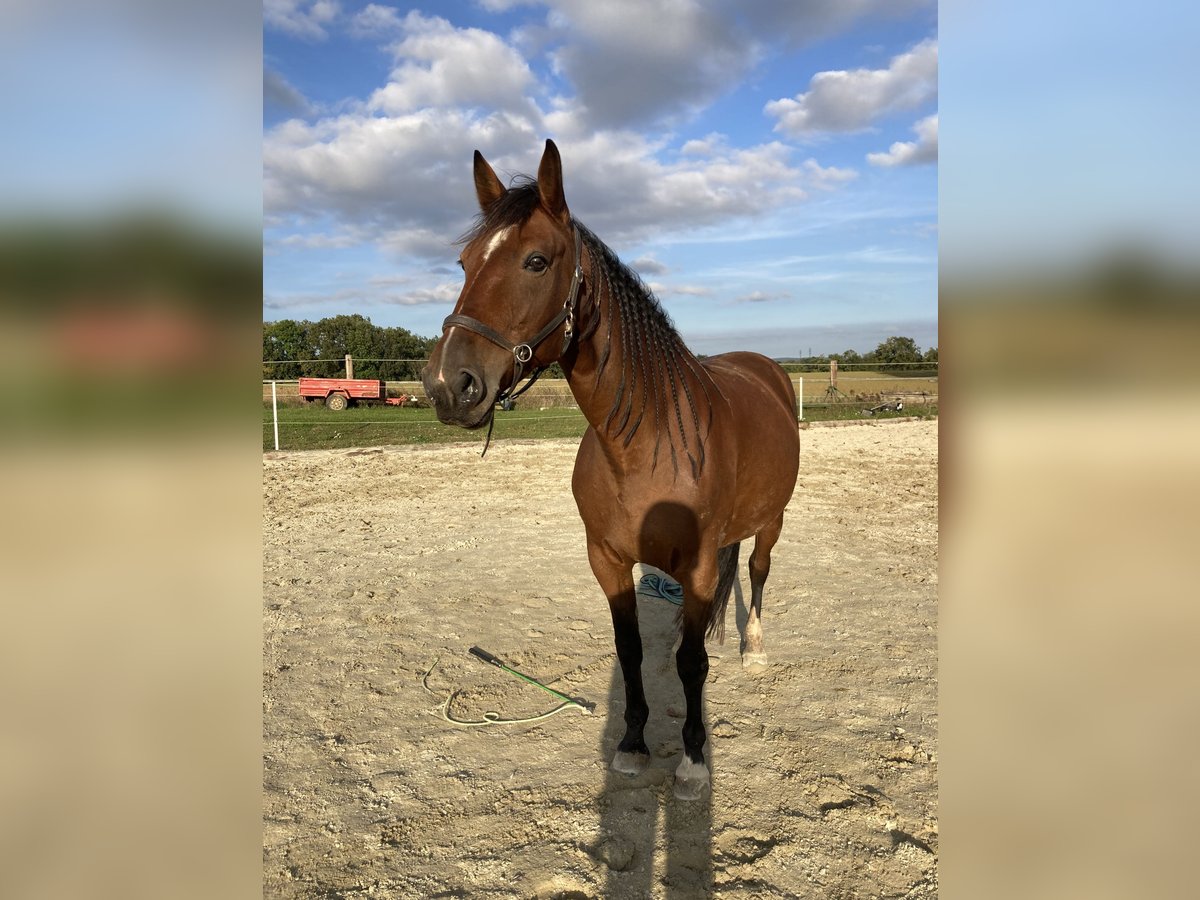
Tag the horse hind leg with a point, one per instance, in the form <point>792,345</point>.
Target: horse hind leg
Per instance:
<point>753,653</point>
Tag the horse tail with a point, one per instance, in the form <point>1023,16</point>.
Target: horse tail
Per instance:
<point>727,567</point>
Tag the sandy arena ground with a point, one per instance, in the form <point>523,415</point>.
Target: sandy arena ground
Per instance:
<point>383,566</point>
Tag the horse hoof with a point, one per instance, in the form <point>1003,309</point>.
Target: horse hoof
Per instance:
<point>630,763</point>
<point>691,780</point>
<point>754,659</point>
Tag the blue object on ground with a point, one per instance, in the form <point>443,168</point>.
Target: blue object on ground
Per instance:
<point>660,587</point>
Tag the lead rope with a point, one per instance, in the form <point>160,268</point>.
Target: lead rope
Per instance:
<point>511,396</point>
<point>490,717</point>
<point>487,442</point>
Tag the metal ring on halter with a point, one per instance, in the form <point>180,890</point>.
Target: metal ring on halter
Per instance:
<point>523,353</point>
<point>569,332</point>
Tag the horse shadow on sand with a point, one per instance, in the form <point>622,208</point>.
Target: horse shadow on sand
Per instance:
<point>649,838</point>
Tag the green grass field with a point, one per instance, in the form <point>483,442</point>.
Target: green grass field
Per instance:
<point>313,427</point>
<point>550,392</point>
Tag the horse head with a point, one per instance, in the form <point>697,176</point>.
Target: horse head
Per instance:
<point>515,314</point>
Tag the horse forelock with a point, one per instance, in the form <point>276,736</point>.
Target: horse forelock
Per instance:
<point>514,207</point>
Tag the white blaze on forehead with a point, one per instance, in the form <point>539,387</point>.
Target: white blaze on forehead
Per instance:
<point>451,334</point>
<point>495,240</point>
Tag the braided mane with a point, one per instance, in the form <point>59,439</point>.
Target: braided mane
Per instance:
<point>655,363</point>
<point>656,366</point>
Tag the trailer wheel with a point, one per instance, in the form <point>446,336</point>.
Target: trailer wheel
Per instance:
<point>337,402</point>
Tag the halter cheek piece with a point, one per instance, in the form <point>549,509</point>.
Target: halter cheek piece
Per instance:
<point>522,353</point>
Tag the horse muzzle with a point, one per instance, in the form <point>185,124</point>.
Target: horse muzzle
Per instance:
<point>464,400</point>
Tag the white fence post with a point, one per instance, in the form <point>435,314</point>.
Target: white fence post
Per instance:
<point>275,413</point>
<point>799,400</point>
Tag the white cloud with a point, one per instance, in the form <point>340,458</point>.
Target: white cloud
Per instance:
<point>374,19</point>
<point>662,289</point>
<point>616,183</point>
<point>827,178</point>
<point>384,173</point>
<point>376,292</point>
<point>388,167</point>
<point>760,297</point>
<point>647,265</point>
<point>633,62</point>
<point>313,241</point>
<point>278,93</point>
<point>422,241</point>
<point>912,153</point>
<point>396,172</point>
<point>799,24</point>
<point>406,179</point>
<point>301,18</point>
<point>440,65</point>
<point>705,146</point>
<point>636,61</point>
<point>889,256</point>
<point>499,6</point>
<point>442,293</point>
<point>842,101</point>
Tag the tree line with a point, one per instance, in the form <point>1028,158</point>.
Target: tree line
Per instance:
<point>318,349</point>
<point>896,354</point>
<point>293,349</point>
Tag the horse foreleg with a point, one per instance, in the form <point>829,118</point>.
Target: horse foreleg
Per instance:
<point>760,568</point>
<point>691,661</point>
<point>616,580</point>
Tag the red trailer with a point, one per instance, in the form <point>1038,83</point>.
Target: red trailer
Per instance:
<point>338,393</point>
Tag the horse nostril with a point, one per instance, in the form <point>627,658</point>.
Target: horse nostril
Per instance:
<point>469,388</point>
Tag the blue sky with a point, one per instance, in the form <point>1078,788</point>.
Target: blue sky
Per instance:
<point>768,167</point>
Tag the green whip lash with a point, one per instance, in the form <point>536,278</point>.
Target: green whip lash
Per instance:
<point>489,658</point>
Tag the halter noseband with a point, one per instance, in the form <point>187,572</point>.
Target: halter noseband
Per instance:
<point>522,353</point>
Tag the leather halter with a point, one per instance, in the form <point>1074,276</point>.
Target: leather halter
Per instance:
<point>522,353</point>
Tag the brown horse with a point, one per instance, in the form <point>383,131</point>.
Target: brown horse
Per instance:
<point>683,458</point>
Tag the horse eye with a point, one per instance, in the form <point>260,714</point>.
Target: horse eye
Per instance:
<point>460,264</point>
<point>536,263</point>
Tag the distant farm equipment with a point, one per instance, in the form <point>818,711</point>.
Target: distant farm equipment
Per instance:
<point>890,406</point>
<point>339,393</point>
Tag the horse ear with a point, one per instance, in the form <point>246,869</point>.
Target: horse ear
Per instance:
<point>487,186</point>
<point>550,185</point>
